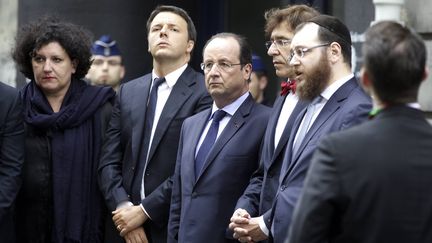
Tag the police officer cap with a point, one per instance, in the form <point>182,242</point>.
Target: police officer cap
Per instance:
<point>105,46</point>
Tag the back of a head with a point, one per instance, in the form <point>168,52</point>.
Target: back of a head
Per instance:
<point>294,15</point>
<point>395,59</point>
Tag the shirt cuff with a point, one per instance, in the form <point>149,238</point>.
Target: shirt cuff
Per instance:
<point>124,204</point>
<point>145,212</point>
<point>263,226</point>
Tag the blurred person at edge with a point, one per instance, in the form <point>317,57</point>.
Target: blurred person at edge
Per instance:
<point>107,66</point>
<point>11,158</point>
<point>65,119</point>
<point>258,81</point>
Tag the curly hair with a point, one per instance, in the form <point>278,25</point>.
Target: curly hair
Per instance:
<point>76,41</point>
<point>293,15</point>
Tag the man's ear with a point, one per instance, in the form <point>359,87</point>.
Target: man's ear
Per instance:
<point>365,80</point>
<point>425,74</point>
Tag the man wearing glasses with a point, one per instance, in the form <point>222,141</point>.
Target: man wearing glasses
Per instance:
<point>219,147</point>
<point>321,58</point>
<point>107,67</point>
<point>258,198</point>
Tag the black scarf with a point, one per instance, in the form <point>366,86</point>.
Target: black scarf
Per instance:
<point>76,141</point>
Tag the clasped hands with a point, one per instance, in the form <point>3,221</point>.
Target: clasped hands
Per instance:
<point>129,221</point>
<point>246,228</point>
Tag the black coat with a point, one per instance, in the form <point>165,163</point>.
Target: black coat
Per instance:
<point>11,157</point>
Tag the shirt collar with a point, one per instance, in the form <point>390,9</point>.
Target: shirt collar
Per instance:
<point>330,90</point>
<point>172,77</point>
<point>233,107</point>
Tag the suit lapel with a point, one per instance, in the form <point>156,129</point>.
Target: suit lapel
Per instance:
<point>289,127</point>
<point>230,130</point>
<point>137,113</point>
<point>271,128</point>
<point>178,96</point>
<point>194,135</point>
<point>332,105</point>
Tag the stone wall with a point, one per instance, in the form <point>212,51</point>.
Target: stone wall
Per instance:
<point>419,17</point>
<point>8,28</point>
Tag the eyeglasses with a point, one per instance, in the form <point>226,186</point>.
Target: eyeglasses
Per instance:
<point>100,62</point>
<point>223,66</point>
<point>299,52</point>
<point>280,42</point>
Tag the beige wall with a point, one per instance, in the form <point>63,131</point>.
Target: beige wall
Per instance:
<point>419,15</point>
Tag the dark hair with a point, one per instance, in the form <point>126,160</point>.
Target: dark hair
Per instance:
<point>331,29</point>
<point>395,60</point>
<point>292,15</point>
<point>192,35</point>
<point>245,50</point>
<point>73,38</point>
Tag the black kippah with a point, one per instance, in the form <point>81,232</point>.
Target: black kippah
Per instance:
<point>334,25</point>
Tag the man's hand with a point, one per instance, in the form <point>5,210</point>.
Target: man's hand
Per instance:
<point>246,229</point>
<point>128,218</point>
<point>136,236</point>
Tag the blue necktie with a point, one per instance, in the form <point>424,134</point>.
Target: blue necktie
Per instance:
<point>208,142</point>
<point>148,124</point>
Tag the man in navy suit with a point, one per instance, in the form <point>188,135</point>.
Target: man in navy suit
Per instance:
<point>321,57</point>
<point>206,188</point>
<point>258,197</point>
<point>11,157</point>
<point>142,139</point>
<point>372,183</point>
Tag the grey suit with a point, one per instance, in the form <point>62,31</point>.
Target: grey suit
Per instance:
<point>122,161</point>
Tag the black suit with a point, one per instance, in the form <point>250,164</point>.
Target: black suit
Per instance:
<point>371,183</point>
<point>11,157</point>
<point>122,152</point>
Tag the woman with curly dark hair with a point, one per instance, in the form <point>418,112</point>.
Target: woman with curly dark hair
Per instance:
<point>65,121</point>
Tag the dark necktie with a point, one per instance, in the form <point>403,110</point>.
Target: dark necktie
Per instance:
<point>208,142</point>
<point>149,117</point>
<point>151,107</point>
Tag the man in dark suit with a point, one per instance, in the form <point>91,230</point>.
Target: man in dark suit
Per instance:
<point>207,185</point>
<point>372,183</point>
<point>258,196</point>
<point>321,57</point>
<point>11,157</point>
<point>142,138</point>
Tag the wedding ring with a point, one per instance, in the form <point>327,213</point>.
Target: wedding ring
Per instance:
<point>118,227</point>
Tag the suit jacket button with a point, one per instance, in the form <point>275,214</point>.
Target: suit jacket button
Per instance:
<point>194,194</point>
<point>129,196</point>
<point>132,168</point>
<point>283,187</point>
